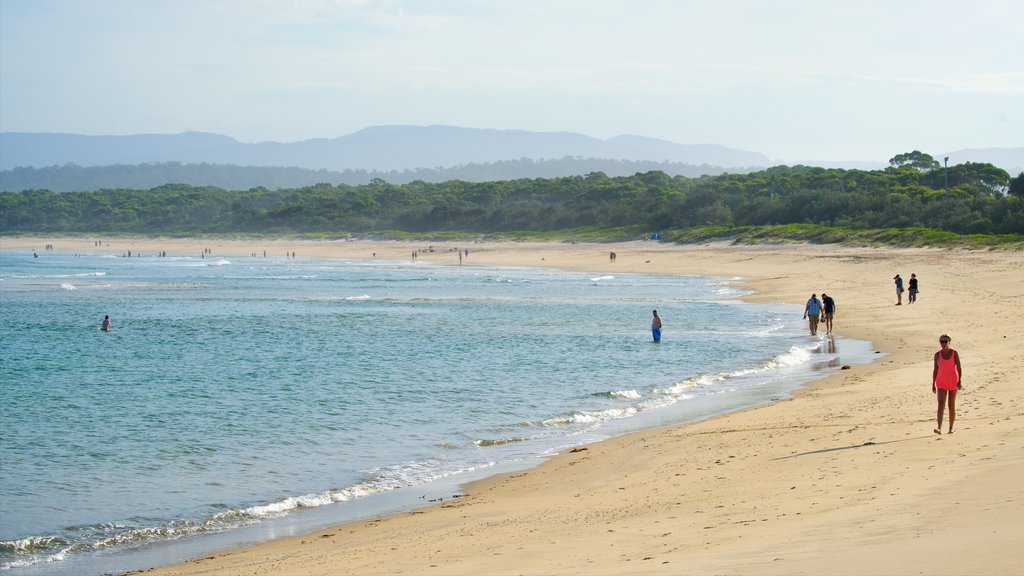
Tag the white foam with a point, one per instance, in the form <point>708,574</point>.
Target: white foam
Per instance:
<point>197,263</point>
<point>794,357</point>
<point>627,394</point>
<point>44,276</point>
<point>592,417</point>
<point>26,562</point>
<point>501,441</point>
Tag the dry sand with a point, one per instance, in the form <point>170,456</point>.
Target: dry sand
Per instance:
<point>845,478</point>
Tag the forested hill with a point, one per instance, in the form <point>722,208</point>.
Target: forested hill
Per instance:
<point>381,148</point>
<point>915,191</point>
<point>75,178</point>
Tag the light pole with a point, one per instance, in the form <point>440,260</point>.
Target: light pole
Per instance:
<point>945,173</point>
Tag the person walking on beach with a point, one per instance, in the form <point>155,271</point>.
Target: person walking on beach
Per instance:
<point>899,289</point>
<point>946,381</point>
<point>829,309</point>
<point>912,289</point>
<point>656,327</point>
<point>106,323</point>
<point>812,311</point>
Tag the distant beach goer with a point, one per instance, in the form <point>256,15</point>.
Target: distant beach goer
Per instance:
<point>106,323</point>
<point>899,289</point>
<point>656,327</point>
<point>912,289</point>
<point>828,310</point>
<point>812,311</point>
<point>946,381</point>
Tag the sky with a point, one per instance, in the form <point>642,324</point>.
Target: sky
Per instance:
<point>797,80</point>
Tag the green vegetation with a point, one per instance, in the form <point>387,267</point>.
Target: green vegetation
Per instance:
<point>74,178</point>
<point>911,203</point>
<point>904,237</point>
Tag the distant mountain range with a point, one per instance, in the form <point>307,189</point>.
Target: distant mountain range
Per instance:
<point>396,153</point>
<point>381,148</point>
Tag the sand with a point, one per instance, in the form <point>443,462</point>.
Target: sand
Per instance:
<point>847,477</point>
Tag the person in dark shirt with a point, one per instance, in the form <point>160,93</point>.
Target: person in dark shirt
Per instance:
<point>828,305</point>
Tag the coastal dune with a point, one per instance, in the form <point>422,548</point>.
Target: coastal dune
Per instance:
<point>845,477</point>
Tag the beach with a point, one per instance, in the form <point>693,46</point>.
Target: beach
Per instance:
<point>846,477</point>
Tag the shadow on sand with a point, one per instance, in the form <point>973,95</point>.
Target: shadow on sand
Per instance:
<point>854,446</point>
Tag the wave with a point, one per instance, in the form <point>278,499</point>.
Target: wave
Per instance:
<point>276,277</point>
<point>34,550</point>
<point>794,357</point>
<point>68,286</point>
<point>627,394</point>
<point>46,276</point>
<point>699,385</point>
<point>193,263</point>
<point>502,441</point>
<point>592,416</point>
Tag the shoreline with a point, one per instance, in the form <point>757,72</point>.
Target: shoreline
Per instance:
<point>848,465</point>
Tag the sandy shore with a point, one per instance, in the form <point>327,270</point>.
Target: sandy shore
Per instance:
<point>846,478</point>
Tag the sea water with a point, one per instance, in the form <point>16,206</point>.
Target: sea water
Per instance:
<point>238,399</point>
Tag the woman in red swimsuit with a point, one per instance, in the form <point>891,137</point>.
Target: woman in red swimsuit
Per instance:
<point>946,381</point>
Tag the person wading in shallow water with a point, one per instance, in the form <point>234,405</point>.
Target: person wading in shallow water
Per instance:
<point>656,327</point>
<point>946,382</point>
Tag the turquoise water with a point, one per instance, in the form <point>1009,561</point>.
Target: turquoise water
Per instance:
<point>235,392</point>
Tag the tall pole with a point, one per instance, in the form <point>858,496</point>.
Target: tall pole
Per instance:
<point>945,173</point>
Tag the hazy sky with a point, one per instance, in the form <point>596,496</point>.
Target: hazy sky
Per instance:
<point>793,79</point>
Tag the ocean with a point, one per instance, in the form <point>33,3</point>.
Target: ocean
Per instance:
<point>238,399</point>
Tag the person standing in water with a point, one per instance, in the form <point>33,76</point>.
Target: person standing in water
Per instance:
<point>946,381</point>
<point>656,327</point>
<point>106,323</point>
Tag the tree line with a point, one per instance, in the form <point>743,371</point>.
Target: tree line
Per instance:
<point>914,191</point>
<point>75,178</point>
